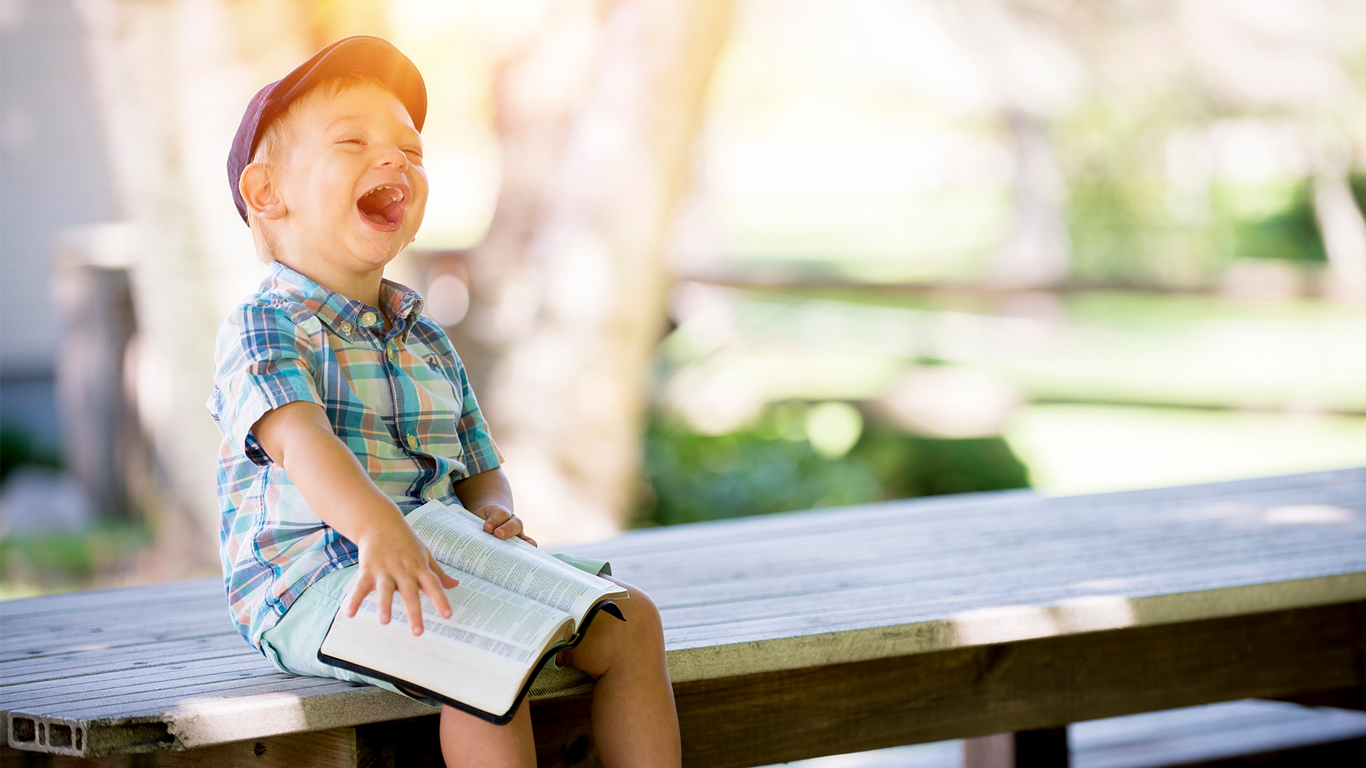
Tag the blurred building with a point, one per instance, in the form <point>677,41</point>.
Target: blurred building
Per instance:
<point>53,177</point>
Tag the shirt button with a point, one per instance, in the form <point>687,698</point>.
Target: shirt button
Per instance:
<point>345,327</point>
<point>368,318</point>
<point>393,354</point>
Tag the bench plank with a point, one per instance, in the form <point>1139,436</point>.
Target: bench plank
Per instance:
<point>771,717</point>
<point>1330,486</point>
<point>131,657</point>
<point>769,595</point>
<point>116,682</point>
<point>113,599</point>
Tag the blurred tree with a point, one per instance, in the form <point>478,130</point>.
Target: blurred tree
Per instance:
<point>765,468</point>
<point>169,77</point>
<point>597,108</point>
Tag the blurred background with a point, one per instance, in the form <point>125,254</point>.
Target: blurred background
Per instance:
<point>712,258</point>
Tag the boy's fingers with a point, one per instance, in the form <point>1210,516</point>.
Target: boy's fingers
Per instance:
<point>411,603</point>
<point>384,595</point>
<point>444,579</point>
<point>428,583</point>
<point>511,528</point>
<point>363,587</point>
<point>496,518</point>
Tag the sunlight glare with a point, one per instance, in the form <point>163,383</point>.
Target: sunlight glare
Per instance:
<point>1307,513</point>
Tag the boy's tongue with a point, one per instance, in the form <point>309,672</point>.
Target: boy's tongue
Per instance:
<point>382,205</point>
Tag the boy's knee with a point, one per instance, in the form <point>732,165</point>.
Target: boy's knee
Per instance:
<point>610,640</point>
<point>640,610</point>
<point>643,626</point>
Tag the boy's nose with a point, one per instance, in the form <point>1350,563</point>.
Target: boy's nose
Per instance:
<point>393,156</point>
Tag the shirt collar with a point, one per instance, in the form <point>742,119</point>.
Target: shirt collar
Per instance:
<point>341,314</point>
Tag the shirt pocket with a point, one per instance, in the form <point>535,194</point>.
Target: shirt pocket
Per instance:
<point>435,417</point>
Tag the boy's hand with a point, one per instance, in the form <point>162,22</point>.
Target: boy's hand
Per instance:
<point>299,437</point>
<point>393,559</point>
<point>499,521</point>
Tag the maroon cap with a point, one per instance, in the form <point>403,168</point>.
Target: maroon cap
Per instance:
<point>359,55</point>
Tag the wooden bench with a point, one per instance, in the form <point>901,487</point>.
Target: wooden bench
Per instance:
<point>792,636</point>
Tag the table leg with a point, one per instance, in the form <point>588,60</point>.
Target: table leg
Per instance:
<point>1044,748</point>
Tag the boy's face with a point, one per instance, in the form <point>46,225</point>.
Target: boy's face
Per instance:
<point>351,181</point>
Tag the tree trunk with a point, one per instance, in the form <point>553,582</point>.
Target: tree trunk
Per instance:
<point>1340,222</point>
<point>598,115</point>
<point>173,79</point>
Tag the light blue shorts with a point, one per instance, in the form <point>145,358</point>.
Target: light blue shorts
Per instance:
<point>292,644</point>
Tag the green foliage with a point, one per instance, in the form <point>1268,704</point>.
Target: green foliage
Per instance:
<point>70,559</point>
<point>1130,223</point>
<point>1118,216</point>
<point>769,467</point>
<point>1289,231</point>
<point>1357,181</point>
<point>16,448</point>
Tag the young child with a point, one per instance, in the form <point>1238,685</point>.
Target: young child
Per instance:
<point>342,408</point>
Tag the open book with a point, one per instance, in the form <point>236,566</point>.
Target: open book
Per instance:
<point>515,607</point>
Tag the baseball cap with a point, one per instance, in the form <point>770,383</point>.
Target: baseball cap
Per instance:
<point>361,55</point>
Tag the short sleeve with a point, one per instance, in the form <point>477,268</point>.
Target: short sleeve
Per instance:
<point>480,452</point>
<point>263,360</point>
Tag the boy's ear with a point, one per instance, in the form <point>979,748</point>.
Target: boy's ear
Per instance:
<point>259,193</point>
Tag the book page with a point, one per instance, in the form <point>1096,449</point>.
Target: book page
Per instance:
<point>484,617</point>
<point>481,655</point>
<point>457,538</point>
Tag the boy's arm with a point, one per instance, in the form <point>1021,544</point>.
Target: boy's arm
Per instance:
<point>299,437</point>
<point>489,495</point>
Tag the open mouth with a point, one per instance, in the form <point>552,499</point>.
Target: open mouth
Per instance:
<point>383,206</point>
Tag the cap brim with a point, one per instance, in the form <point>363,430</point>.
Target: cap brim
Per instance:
<point>360,55</point>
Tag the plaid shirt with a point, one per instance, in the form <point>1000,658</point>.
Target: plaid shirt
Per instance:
<point>399,400</point>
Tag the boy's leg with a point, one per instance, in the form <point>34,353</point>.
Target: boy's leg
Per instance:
<point>292,644</point>
<point>634,720</point>
<point>468,741</point>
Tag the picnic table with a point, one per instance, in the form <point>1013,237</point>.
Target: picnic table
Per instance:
<point>997,617</point>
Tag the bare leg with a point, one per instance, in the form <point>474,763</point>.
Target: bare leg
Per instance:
<point>634,720</point>
<point>467,741</point>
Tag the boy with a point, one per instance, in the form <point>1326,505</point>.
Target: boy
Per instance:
<point>343,408</point>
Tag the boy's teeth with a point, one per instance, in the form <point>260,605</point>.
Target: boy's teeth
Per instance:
<point>382,204</point>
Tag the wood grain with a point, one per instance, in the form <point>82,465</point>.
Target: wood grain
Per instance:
<point>752,606</point>
<point>962,693</point>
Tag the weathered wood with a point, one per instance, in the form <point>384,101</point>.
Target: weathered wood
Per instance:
<point>1201,737</point>
<point>966,528</point>
<point>1321,487</point>
<point>1209,732</point>
<point>1342,698</point>
<point>1348,752</point>
<point>321,749</point>
<point>1042,683</point>
<point>154,701</point>
<point>766,598</point>
<point>75,659</point>
<point>1044,748</point>
<point>114,599</point>
<point>106,681</point>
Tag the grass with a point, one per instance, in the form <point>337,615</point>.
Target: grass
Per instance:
<point>33,564</point>
<point>1120,390</point>
<point>1090,449</point>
